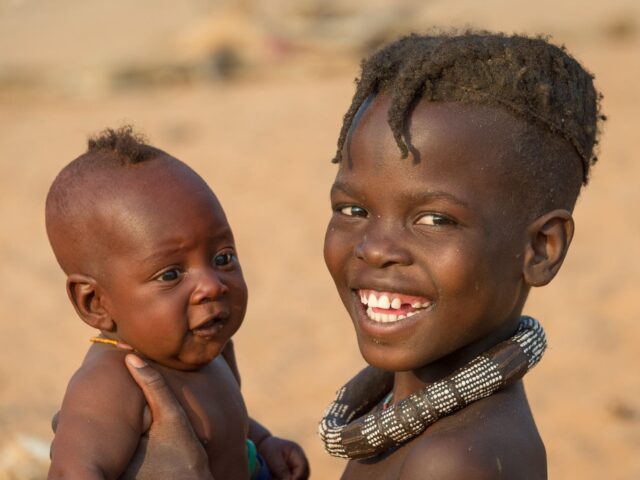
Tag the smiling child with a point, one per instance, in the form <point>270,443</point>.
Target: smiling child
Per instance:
<point>151,263</point>
<point>460,162</point>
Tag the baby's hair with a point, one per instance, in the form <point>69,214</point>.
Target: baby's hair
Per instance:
<point>530,77</point>
<point>124,143</point>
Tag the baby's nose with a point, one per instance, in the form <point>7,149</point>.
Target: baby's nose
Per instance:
<point>208,288</point>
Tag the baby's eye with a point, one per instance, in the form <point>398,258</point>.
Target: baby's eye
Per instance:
<point>434,219</point>
<point>353,211</point>
<point>169,275</point>
<point>224,259</point>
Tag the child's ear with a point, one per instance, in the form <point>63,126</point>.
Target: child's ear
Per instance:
<point>83,292</point>
<point>549,239</point>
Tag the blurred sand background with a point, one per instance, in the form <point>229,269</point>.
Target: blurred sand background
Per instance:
<point>251,94</point>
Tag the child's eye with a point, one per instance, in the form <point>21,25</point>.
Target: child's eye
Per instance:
<point>434,219</point>
<point>169,275</point>
<point>223,259</point>
<point>353,211</point>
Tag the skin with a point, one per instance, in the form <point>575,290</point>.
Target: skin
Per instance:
<point>393,242</point>
<point>172,289</point>
<point>441,228</point>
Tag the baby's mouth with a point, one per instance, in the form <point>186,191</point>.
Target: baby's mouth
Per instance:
<point>389,307</point>
<point>209,328</point>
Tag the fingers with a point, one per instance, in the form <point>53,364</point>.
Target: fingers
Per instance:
<point>124,346</point>
<point>298,464</point>
<point>279,468</point>
<point>160,398</point>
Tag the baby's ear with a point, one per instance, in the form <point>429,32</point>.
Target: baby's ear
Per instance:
<point>549,237</point>
<point>83,293</point>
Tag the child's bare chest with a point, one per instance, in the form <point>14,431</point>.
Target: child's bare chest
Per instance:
<point>212,400</point>
<point>384,467</point>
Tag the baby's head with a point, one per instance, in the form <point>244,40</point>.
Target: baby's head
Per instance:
<point>460,162</point>
<point>149,256</point>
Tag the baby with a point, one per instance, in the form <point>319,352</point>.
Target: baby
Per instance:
<point>460,162</point>
<point>151,263</point>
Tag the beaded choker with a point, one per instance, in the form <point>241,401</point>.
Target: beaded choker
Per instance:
<point>380,430</point>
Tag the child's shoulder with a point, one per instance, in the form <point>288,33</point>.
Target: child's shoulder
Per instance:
<point>101,382</point>
<point>493,438</point>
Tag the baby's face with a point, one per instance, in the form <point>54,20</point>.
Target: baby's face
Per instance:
<point>172,284</point>
<point>426,252</point>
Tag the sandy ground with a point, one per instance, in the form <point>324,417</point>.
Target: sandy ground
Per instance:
<point>264,144</point>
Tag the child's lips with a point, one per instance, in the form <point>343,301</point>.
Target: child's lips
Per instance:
<point>208,328</point>
<point>391,307</point>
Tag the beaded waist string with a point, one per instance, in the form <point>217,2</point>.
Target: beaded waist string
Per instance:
<point>374,432</point>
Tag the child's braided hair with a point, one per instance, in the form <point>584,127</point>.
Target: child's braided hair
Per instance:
<point>528,76</point>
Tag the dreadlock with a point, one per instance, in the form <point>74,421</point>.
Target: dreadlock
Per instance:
<point>528,76</point>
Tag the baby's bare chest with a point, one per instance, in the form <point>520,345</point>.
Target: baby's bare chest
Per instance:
<point>212,400</point>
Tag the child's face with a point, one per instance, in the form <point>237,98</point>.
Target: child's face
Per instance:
<point>427,255</point>
<point>172,284</point>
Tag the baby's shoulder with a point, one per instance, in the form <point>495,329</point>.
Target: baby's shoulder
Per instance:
<point>493,438</point>
<point>101,382</point>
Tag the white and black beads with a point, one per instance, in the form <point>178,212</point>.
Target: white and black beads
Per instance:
<point>378,431</point>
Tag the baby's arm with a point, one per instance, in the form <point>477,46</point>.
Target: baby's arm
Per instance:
<point>285,458</point>
<point>100,422</point>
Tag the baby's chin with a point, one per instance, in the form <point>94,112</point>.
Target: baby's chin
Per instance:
<point>183,361</point>
<point>186,363</point>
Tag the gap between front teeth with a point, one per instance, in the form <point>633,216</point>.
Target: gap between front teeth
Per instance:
<point>383,302</point>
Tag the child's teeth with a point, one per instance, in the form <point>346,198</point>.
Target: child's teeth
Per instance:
<point>372,301</point>
<point>383,302</point>
<point>383,317</point>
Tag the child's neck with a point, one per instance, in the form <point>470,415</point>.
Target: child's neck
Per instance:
<point>411,381</point>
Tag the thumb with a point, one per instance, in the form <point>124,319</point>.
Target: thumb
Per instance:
<point>161,400</point>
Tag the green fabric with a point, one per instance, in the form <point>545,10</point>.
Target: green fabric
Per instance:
<point>252,457</point>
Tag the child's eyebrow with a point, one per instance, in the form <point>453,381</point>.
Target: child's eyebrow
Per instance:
<point>161,254</point>
<point>431,196</point>
<point>223,234</point>
<point>343,187</point>
<point>417,196</point>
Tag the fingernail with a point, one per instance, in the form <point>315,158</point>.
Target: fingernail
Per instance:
<point>135,361</point>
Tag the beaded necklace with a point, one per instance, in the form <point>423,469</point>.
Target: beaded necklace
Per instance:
<point>376,430</point>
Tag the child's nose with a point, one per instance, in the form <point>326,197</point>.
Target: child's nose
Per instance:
<point>383,246</point>
<point>209,287</point>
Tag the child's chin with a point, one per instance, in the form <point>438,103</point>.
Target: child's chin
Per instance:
<point>185,363</point>
<point>385,357</point>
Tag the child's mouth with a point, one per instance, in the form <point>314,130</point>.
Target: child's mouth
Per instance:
<point>389,307</point>
<point>208,328</point>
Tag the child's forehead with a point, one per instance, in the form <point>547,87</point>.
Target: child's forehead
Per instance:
<point>465,151</point>
<point>147,197</point>
<point>156,181</point>
<point>429,114</point>
<point>487,132</point>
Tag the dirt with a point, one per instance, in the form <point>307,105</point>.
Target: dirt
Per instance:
<point>263,140</point>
